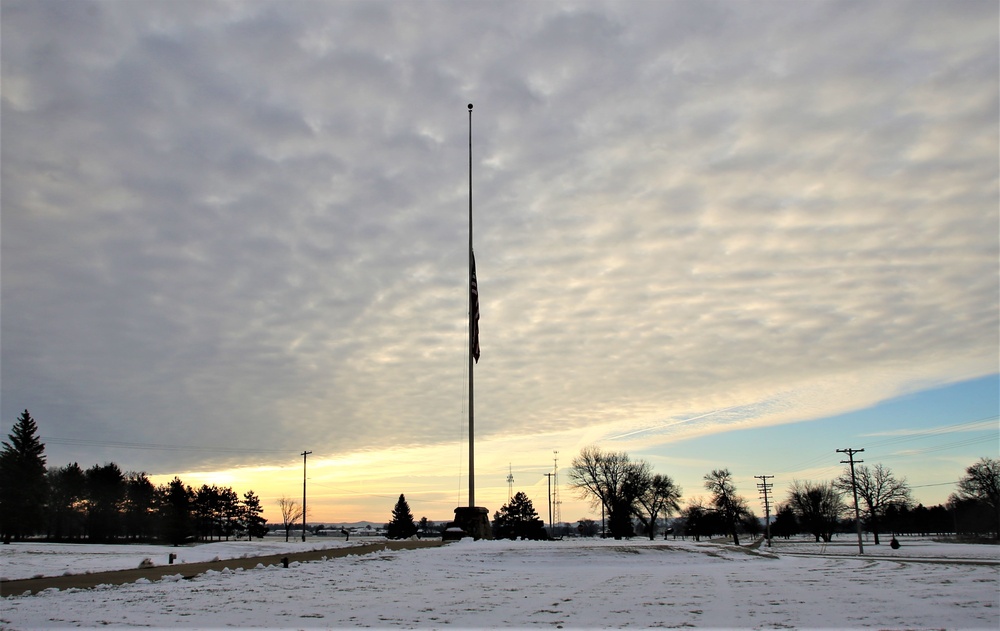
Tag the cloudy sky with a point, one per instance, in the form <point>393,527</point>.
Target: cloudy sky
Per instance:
<point>234,231</point>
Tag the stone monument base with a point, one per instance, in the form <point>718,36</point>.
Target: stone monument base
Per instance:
<point>470,521</point>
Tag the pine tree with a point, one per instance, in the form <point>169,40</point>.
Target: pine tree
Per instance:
<point>252,521</point>
<point>67,495</point>
<point>230,511</point>
<point>175,511</point>
<point>785,522</point>
<point>105,500</point>
<point>139,506</point>
<point>518,519</point>
<point>401,526</point>
<point>23,483</point>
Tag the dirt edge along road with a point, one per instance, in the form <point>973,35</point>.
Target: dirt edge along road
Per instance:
<point>190,570</point>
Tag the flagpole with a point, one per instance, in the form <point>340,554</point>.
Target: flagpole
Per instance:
<point>472,449</point>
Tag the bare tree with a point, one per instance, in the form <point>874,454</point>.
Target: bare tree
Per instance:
<point>878,489</point>
<point>291,512</point>
<point>981,483</point>
<point>659,497</point>
<point>730,506</point>
<point>610,480</point>
<point>818,506</point>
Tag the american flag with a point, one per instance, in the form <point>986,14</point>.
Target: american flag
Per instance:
<point>474,309</point>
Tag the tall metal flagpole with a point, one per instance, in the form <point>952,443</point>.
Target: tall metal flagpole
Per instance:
<point>472,449</point>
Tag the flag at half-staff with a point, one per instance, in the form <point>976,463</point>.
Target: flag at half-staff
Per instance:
<point>471,521</point>
<point>473,308</point>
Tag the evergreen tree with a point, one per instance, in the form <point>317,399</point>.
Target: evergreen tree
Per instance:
<point>251,521</point>
<point>785,522</point>
<point>105,501</point>
<point>139,506</point>
<point>175,512</point>
<point>401,526</point>
<point>207,507</point>
<point>23,484</point>
<point>65,511</point>
<point>518,519</point>
<point>230,511</point>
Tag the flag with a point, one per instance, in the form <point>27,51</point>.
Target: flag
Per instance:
<point>474,308</point>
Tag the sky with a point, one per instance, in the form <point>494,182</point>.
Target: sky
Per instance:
<point>710,234</point>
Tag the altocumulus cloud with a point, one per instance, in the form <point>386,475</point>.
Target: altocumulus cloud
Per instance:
<point>243,225</point>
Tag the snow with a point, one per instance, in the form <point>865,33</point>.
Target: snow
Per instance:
<point>28,560</point>
<point>576,583</point>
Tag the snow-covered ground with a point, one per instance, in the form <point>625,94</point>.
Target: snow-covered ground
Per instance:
<point>30,560</point>
<point>562,584</point>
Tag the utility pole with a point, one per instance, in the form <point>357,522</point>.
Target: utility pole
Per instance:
<point>304,454</point>
<point>549,476</point>
<point>764,487</point>
<point>556,502</point>
<point>854,487</point>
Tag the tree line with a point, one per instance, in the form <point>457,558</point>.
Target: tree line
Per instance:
<point>105,504</point>
<point>632,499</point>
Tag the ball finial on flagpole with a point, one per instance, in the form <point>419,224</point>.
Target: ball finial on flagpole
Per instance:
<point>470,106</point>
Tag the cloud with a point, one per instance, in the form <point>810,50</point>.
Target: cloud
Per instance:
<point>245,226</point>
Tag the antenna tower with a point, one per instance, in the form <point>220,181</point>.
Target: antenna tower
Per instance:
<point>510,482</point>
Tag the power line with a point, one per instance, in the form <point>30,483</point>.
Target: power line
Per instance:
<point>943,447</point>
<point>342,491</point>
<point>981,424</point>
<point>920,486</point>
<point>86,442</point>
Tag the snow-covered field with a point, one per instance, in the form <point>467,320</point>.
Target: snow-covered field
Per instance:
<point>29,560</point>
<point>562,584</point>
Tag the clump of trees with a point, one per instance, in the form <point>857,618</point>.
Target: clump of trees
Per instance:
<point>624,489</point>
<point>977,499</point>
<point>105,504</point>
<point>817,507</point>
<point>518,519</point>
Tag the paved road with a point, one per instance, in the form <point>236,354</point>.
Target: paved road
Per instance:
<point>190,570</point>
